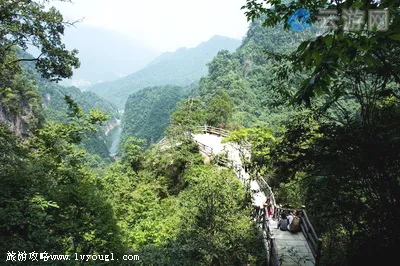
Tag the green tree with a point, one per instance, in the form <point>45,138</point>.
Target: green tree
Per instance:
<point>170,164</point>
<point>216,226</point>
<point>338,52</point>
<point>187,115</point>
<point>132,152</point>
<point>219,110</point>
<point>28,22</point>
<point>50,200</point>
<point>349,82</point>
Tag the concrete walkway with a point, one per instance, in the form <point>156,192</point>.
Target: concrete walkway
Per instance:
<point>215,142</point>
<point>292,248</point>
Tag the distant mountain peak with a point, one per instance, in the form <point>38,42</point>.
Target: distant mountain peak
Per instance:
<point>220,37</point>
<point>181,49</point>
<point>182,67</point>
<point>214,44</point>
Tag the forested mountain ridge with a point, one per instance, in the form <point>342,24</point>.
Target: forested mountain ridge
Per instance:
<point>238,85</point>
<point>55,108</point>
<point>147,112</point>
<point>182,67</point>
<point>243,81</point>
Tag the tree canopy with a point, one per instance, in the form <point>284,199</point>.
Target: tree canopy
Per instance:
<point>27,23</point>
<point>318,112</point>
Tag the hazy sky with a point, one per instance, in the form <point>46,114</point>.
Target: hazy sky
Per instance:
<point>162,24</point>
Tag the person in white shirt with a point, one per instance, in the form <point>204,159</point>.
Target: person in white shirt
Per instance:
<point>258,200</point>
<point>290,219</point>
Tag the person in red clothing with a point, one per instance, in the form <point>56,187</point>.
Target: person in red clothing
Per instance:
<point>268,206</point>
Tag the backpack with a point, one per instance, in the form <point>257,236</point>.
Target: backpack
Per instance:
<point>295,225</point>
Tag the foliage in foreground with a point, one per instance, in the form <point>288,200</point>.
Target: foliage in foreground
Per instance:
<point>341,152</point>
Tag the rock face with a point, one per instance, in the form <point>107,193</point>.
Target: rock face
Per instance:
<point>20,123</point>
<point>111,126</point>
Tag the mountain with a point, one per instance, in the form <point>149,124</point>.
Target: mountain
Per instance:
<point>105,55</point>
<point>241,88</point>
<point>54,107</point>
<point>147,112</point>
<point>182,67</point>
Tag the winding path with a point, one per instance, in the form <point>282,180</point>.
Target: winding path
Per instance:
<point>285,248</point>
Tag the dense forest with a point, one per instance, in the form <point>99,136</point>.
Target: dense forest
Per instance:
<point>147,112</point>
<point>55,108</point>
<point>320,111</point>
<point>320,121</point>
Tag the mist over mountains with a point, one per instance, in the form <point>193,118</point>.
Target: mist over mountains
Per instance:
<point>182,67</point>
<point>105,55</point>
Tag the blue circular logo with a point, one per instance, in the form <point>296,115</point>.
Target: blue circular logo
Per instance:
<point>298,21</point>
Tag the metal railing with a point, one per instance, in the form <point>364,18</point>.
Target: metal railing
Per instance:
<point>267,191</point>
<point>164,141</point>
<point>314,242</point>
<point>205,149</point>
<point>270,243</point>
<point>273,253</point>
<point>204,129</point>
<point>212,130</point>
<point>222,160</point>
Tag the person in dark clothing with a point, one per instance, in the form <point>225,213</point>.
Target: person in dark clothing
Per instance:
<point>283,223</point>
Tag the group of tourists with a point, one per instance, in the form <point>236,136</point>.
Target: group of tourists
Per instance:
<point>289,222</point>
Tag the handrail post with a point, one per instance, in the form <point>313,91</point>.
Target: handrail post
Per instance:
<point>318,256</point>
